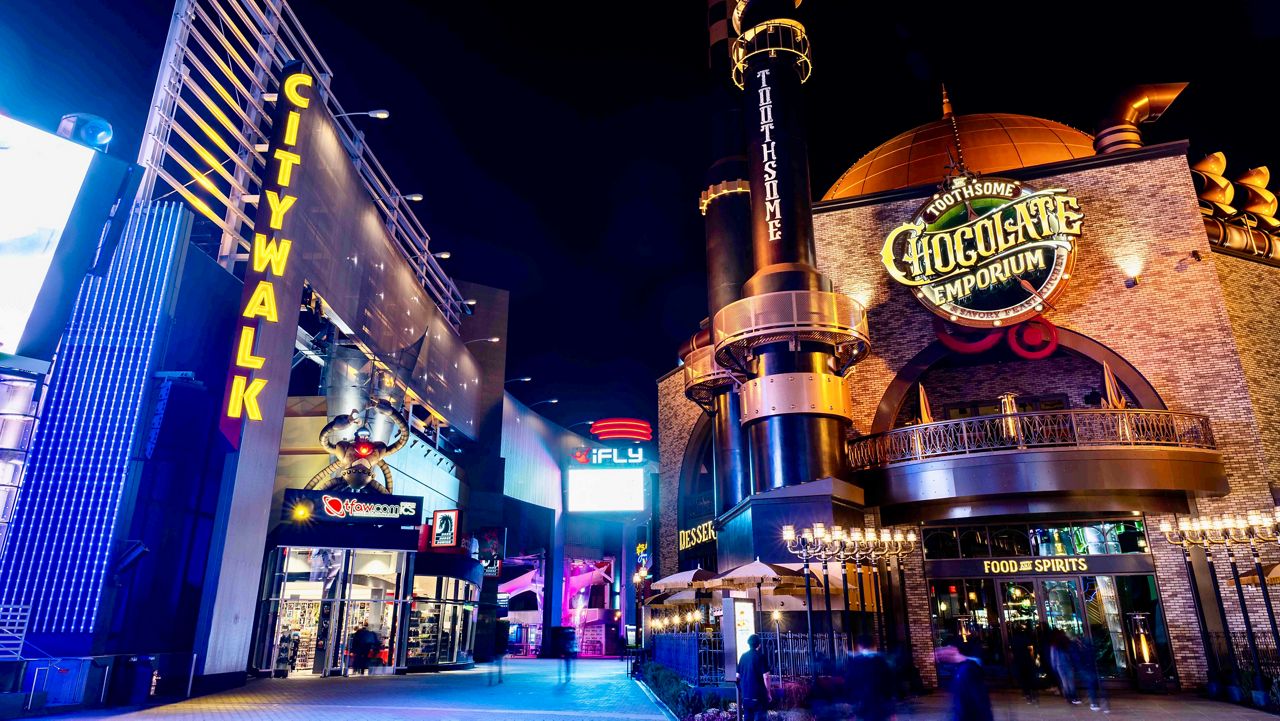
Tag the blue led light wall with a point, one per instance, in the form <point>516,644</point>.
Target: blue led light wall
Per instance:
<point>60,549</point>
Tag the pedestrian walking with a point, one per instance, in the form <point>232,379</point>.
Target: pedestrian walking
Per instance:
<point>1084,657</point>
<point>869,682</point>
<point>568,651</point>
<point>1060,658</point>
<point>501,638</point>
<point>1023,649</point>
<point>970,700</point>
<point>753,681</point>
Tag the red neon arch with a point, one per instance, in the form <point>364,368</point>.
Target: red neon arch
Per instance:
<point>629,429</point>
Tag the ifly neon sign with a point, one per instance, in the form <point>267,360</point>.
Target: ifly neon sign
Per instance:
<point>269,256</point>
<point>609,456</point>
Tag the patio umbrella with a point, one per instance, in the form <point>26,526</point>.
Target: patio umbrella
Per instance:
<point>1270,571</point>
<point>1115,399</point>
<point>681,598</point>
<point>925,415</point>
<point>657,599</point>
<point>682,580</point>
<point>756,573</point>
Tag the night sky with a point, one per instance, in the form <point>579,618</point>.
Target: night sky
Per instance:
<point>561,146</point>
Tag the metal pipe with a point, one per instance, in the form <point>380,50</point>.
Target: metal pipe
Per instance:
<point>844,617</point>
<point>1143,104</point>
<point>1222,611</point>
<point>1210,658</point>
<point>808,617</point>
<point>1248,625</point>
<point>831,618</point>
<point>862,598</point>
<point>1266,593</point>
<point>879,604</point>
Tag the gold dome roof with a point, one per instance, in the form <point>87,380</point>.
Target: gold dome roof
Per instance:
<point>990,143</point>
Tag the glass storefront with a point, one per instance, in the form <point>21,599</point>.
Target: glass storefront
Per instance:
<point>335,611</point>
<point>441,628</point>
<point>1007,609</point>
<point>330,611</point>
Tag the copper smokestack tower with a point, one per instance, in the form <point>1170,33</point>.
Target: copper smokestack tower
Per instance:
<point>726,205</point>
<point>789,341</point>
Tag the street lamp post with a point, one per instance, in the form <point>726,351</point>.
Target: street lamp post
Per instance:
<point>1223,526</point>
<point>1183,539</point>
<point>842,550</point>
<point>1252,529</point>
<point>824,554</point>
<point>880,548</point>
<point>904,545</point>
<point>804,546</point>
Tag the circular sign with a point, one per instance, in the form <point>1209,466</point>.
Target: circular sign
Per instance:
<point>987,252</point>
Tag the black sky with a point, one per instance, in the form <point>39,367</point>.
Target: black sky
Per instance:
<point>561,146</point>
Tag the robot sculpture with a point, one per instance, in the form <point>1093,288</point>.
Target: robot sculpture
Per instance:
<point>357,457</point>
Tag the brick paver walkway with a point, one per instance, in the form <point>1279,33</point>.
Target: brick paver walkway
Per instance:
<point>530,692</point>
<point>1128,706</point>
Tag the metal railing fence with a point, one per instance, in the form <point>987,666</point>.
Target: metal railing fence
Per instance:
<point>1074,428</point>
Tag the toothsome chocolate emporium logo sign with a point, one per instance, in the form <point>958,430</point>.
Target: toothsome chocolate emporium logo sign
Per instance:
<point>987,252</point>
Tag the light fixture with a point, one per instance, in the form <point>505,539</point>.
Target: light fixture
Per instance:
<point>1131,281</point>
<point>444,255</point>
<point>86,129</point>
<point>552,401</point>
<point>521,379</point>
<point>491,339</point>
<point>379,114</point>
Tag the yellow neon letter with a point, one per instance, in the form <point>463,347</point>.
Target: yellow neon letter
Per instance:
<point>279,206</point>
<point>244,397</point>
<point>274,253</point>
<point>287,161</point>
<point>262,304</point>
<point>244,351</point>
<point>291,127</point>
<point>291,85</point>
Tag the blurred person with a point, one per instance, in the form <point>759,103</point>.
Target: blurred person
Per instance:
<point>970,700</point>
<point>501,637</point>
<point>1023,649</point>
<point>753,681</point>
<point>1060,658</point>
<point>869,682</point>
<point>1084,661</point>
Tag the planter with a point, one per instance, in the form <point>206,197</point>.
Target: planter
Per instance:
<point>1259,699</point>
<point>1235,694</point>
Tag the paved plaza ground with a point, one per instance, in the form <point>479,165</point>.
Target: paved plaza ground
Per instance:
<point>532,691</point>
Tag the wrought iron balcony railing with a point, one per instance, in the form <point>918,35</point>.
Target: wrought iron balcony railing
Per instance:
<point>1017,431</point>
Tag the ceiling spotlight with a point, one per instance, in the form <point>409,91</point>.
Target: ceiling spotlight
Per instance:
<point>469,301</point>
<point>86,129</point>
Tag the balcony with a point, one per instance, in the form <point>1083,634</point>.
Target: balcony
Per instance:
<point>703,378</point>
<point>1057,461</point>
<point>797,316</point>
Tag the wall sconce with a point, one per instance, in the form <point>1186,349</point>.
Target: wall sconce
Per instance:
<point>1195,254</point>
<point>1131,281</point>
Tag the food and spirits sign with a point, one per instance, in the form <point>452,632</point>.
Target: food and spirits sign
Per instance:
<point>987,252</point>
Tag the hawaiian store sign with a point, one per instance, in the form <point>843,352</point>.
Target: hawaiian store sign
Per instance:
<point>987,252</point>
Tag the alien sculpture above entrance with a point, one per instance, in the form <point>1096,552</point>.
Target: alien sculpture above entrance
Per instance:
<point>357,457</point>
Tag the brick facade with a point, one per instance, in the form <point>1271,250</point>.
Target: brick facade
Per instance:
<point>1177,326</point>
<point>677,417</point>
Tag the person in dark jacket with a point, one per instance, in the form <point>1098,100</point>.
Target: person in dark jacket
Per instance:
<point>970,700</point>
<point>1022,646</point>
<point>753,681</point>
<point>869,682</point>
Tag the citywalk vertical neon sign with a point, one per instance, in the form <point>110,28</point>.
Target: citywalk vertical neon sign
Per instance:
<point>269,254</point>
